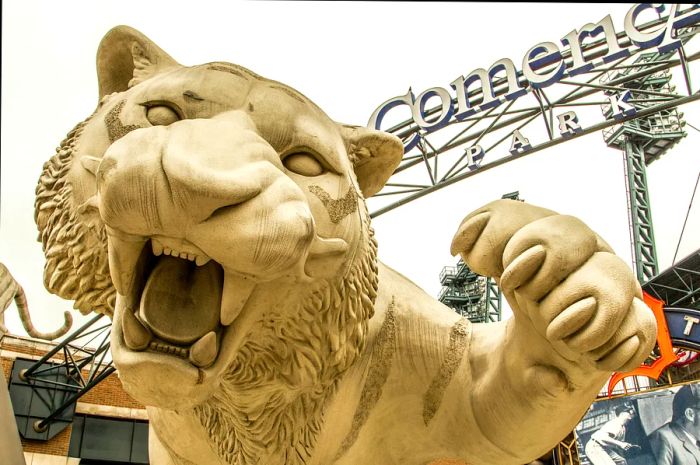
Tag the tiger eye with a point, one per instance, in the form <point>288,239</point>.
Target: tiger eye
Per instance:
<point>304,164</point>
<point>161,115</point>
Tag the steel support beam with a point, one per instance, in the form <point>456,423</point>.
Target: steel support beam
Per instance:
<point>641,225</point>
<point>41,425</point>
<point>493,301</point>
<point>83,367</point>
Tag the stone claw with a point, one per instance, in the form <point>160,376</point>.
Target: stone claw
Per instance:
<point>581,298</point>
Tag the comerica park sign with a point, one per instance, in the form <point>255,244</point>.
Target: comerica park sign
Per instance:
<point>543,65</point>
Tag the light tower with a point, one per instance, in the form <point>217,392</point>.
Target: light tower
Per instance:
<point>473,296</point>
<point>642,141</point>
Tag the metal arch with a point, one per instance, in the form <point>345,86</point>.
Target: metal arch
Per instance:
<point>422,190</point>
<point>524,112</point>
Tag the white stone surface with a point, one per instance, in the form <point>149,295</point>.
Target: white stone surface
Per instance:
<point>45,459</point>
<point>111,411</point>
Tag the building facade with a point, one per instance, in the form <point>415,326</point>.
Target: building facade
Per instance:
<point>105,426</point>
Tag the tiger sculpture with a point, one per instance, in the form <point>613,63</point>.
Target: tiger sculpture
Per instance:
<point>11,291</point>
<point>219,218</point>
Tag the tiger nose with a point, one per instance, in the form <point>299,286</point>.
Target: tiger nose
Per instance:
<point>212,164</point>
<point>164,178</point>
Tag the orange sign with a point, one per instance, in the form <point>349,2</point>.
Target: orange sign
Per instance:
<point>663,341</point>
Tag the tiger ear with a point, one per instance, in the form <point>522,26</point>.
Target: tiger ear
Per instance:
<point>374,154</point>
<point>126,57</point>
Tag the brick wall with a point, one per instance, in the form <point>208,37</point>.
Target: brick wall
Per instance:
<point>32,348</point>
<point>56,446</point>
<point>6,368</point>
<point>110,392</point>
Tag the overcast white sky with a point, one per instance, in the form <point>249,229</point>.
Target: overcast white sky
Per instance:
<point>348,58</point>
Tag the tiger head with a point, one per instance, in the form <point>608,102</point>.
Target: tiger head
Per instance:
<point>219,218</point>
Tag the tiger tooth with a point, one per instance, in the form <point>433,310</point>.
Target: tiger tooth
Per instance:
<point>204,351</point>
<point>200,261</point>
<point>136,336</point>
<point>190,257</point>
<point>167,251</point>
<point>123,254</point>
<point>235,294</point>
<point>157,247</point>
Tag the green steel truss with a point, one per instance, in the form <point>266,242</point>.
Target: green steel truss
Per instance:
<point>471,295</point>
<point>641,226</point>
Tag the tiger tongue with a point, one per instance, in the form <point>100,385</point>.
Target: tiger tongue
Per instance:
<point>181,301</point>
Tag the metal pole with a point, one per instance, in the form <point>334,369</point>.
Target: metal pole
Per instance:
<point>41,425</point>
<point>28,372</point>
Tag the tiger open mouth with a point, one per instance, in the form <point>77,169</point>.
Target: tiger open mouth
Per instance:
<point>179,301</point>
